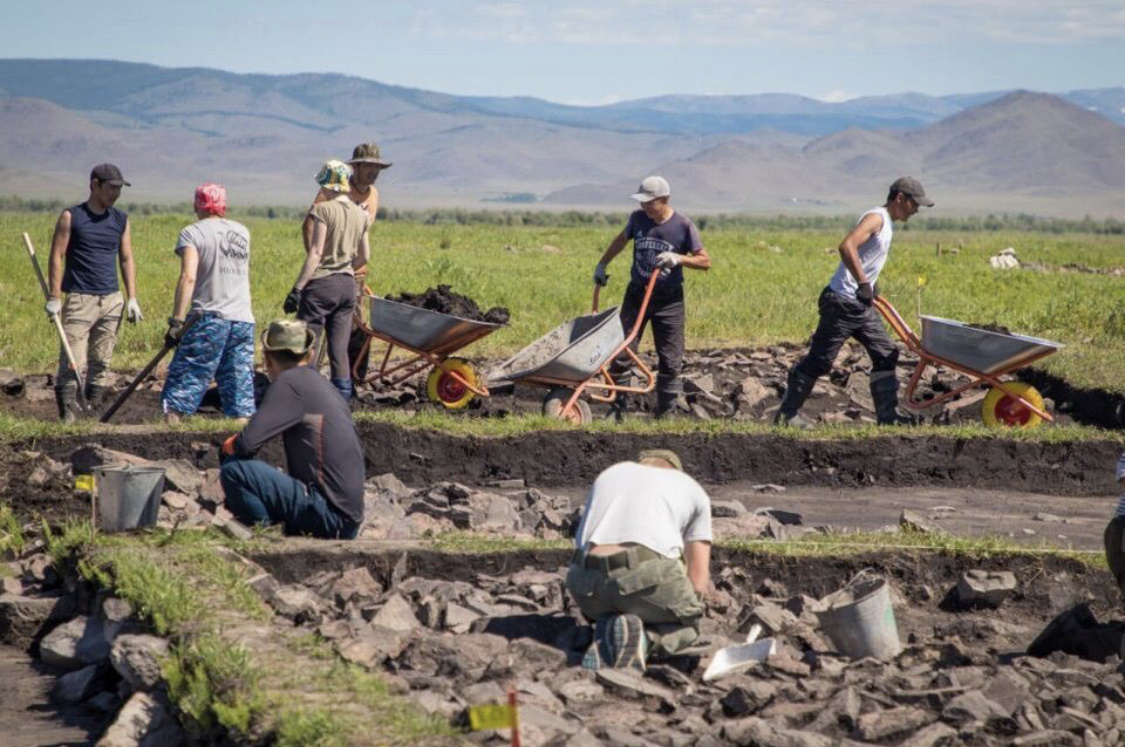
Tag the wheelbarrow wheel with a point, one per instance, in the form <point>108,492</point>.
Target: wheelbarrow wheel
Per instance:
<point>1002,410</point>
<point>445,389</point>
<point>556,400</point>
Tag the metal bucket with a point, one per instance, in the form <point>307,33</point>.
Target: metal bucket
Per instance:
<point>127,497</point>
<point>860,619</point>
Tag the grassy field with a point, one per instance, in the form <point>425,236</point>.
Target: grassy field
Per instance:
<point>762,288</point>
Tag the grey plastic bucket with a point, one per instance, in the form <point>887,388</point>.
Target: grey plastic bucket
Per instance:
<point>128,497</point>
<point>860,620</point>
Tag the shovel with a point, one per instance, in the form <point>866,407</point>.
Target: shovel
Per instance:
<point>136,382</point>
<point>56,318</point>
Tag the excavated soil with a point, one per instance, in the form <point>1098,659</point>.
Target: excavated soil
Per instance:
<point>444,300</point>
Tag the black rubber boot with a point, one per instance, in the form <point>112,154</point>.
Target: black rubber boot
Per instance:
<point>95,397</point>
<point>66,397</point>
<point>619,407</point>
<point>1115,550</point>
<point>1076,631</point>
<point>884,392</point>
<point>797,390</point>
<point>670,403</point>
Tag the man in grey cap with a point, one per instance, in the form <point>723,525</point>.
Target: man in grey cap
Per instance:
<point>367,163</point>
<point>91,240</point>
<point>642,560</point>
<point>846,310</point>
<point>664,241</point>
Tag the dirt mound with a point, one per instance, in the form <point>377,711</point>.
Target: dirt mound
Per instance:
<point>445,301</point>
<point>997,328</point>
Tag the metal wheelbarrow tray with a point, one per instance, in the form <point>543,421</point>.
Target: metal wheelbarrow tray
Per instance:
<point>432,337</point>
<point>981,354</point>
<point>574,358</point>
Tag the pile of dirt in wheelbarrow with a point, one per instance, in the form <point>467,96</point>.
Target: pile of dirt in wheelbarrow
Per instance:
<point>445,301</point>
<point>997,328</point>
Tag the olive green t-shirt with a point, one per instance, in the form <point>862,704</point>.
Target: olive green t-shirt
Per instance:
<point>346,223</point>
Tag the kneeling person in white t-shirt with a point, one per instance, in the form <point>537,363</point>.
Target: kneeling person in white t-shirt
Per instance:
<point>643,560</point>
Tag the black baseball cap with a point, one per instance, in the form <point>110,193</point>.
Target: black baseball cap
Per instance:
<point>912,188</point>
<point>107,173</point>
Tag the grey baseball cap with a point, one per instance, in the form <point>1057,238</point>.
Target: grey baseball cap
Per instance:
<point>651,188</point>
<point>911,187</point>
<point>666,454</point>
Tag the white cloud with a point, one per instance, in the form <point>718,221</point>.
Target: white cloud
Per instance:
<point>799,23</point>
<point>837,97</point>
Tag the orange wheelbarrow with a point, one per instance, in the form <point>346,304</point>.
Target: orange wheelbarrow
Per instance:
<point>574,359</point>
<point>981,354</point>
<point>433,338</point>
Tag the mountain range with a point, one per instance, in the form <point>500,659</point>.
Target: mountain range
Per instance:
<point>264,136</point>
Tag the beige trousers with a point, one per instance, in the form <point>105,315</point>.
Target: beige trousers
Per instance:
<point>90,323</point>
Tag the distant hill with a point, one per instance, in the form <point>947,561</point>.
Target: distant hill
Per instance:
<point>1023,151</point>
<point>265,136</point>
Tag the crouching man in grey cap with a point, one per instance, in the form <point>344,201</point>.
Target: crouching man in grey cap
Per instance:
<point>643,560</point>
<point>846,310</point>
<point>664,241</point>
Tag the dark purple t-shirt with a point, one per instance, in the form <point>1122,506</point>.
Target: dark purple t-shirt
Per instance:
<point>677,234</point>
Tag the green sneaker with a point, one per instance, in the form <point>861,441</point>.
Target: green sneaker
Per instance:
<point>592,660</point>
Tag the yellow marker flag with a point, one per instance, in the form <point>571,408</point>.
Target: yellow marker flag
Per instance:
<point>84,482</point>
<point>493,716</point>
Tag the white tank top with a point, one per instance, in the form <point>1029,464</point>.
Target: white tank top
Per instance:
<point>872,256</point>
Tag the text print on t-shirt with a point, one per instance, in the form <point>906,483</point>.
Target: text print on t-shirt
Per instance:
<point>645,251</point>
<point>236,252</point>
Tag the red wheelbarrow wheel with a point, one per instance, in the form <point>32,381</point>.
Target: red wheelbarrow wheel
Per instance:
<point>445,389</point>
<point>1002,410</point>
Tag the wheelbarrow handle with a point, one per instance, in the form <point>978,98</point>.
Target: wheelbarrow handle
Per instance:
<point>652,280</point>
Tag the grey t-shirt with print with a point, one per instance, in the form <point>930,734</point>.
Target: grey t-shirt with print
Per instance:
<point>222,282</point>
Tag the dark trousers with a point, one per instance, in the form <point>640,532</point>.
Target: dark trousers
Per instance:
<point>665,313</point>
<point>327,306</point>
<point>1115,550</point>
<point>256,493</point>
<point>841,318</point>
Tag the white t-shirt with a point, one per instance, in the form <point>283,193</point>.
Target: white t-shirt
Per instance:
<point>872,256</point>
<point>651,506</point>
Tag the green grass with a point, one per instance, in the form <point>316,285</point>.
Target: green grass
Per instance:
<point>187,587</point>
<point>832,544</point>
<point>12,540</point>
<point>762,289</point>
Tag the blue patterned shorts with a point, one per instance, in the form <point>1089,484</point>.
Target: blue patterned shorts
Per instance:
<point>213,348</point>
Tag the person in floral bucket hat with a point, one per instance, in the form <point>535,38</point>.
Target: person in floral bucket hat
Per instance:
<point>367,163</point>
<point>324,295</point>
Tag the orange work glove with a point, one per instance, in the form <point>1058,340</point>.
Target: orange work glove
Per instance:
<point>228,445</point>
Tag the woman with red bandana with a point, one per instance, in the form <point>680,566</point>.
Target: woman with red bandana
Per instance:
<point>214,285</point>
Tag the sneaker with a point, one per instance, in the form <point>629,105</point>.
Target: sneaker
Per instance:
<point>592,659</point>
<point>628,643</point>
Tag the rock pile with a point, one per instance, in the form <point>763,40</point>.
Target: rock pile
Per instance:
<point>452,644</point>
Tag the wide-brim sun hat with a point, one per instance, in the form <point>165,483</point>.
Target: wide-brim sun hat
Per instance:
<point>369,153</point>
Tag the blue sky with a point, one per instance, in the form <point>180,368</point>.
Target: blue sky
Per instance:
<point>600,51</point>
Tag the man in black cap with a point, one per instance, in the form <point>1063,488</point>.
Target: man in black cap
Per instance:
<point>846,310</point>
<point>90,241</point>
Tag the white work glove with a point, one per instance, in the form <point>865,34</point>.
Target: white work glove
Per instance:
<point>133,311</point>
<point>54,307</point>
<point>600,278</point>
<point>668,260</point>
